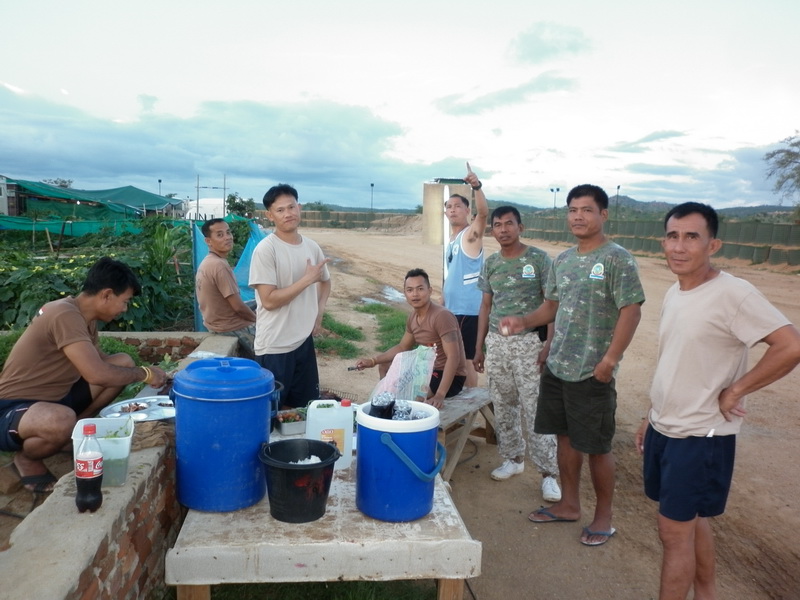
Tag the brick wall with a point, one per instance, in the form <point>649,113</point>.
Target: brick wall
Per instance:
<point>116,553</point>
<point>154,347</point>
<point>129,562</point>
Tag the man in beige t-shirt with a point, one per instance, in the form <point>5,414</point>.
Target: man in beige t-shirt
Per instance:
<point>709,320</point>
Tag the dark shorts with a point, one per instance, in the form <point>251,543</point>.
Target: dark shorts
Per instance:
<point>297,371</point>
<point>455,387</point>
<point>688,477</point>
<point>78,399</point>
<point>468,324</point>
<point>584,411</point>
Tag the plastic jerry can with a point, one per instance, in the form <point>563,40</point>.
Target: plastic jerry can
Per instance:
<point>332,422</point>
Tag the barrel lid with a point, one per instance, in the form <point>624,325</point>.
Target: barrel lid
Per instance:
<point>223,378</point>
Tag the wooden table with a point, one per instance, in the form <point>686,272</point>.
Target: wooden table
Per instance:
<point>249,546</point>
<point>457,421</point>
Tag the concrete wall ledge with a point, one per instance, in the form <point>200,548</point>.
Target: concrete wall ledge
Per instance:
<point>54,545</point>
<point>57,553</point>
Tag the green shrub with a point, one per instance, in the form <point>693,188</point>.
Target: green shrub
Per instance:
<point>160,256</point>
<point>111,345</point>
<point>7,341</point>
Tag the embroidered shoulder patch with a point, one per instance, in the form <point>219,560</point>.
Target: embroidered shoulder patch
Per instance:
<point>598,272</point>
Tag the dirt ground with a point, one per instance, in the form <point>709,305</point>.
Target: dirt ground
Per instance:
<point>757,551</point>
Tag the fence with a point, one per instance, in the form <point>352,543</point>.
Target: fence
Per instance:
<point>773,243</point>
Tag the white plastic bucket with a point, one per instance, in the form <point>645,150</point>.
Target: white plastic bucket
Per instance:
<point>114,435</point>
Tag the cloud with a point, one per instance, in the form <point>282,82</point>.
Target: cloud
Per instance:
<point>458,104</point>
<point>147,102</point>
<point>330,151</point>
<point>738,179</point>
<point>544,41</point>
<point>643,144</point>
<point>326,149</point>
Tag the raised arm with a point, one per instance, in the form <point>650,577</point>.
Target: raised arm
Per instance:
<point>473,238</point>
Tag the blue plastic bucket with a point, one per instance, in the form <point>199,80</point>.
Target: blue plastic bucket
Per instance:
<point>397,464</point>
<point>222,416</point>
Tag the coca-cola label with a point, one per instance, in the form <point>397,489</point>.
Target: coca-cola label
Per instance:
<point>87,468</point>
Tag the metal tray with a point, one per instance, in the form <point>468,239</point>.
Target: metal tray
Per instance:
<point>149,408</point>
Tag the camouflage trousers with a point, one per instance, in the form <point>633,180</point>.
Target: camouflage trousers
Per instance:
<point>513,378</point>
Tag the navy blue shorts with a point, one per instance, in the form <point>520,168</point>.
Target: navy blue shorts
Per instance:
<point>297,371</point>
<point>78,399</point>
<point>468,324</point>
<point>688,477</point>
<point>584,411</point>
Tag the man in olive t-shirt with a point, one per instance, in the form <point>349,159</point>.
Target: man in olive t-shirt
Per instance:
<point>594,295</point>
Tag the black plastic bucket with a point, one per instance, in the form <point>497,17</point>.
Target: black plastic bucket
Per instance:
<point>298,493</point>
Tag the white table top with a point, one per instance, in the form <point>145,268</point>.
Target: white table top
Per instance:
<point>248,545</point>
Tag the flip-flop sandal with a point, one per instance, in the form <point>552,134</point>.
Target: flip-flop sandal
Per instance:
<point>551,518</point>
<point>40,483</point>
<point>606,536</point>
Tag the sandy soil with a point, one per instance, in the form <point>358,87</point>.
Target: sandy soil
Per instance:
<point>756,547</point>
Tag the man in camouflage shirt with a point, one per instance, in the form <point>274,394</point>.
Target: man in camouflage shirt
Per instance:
<point>594,295</point>
<point>513,280</point>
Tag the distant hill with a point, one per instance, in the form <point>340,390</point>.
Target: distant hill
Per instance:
<point>629,208</point>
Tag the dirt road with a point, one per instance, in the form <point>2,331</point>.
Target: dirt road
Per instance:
<point>756,544</point>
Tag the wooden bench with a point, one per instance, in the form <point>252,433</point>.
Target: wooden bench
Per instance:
<point>457,422</point>
<point>249,546</point>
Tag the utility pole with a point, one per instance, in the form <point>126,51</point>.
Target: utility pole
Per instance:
<point>555,191</point>
<point>199,187</point>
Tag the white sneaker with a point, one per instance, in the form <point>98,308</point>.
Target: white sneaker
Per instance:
<point>508,469</point>
<point>550,490</point>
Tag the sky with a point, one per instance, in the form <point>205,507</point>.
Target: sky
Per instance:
<point>669,101</point>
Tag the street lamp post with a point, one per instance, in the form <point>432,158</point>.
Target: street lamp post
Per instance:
<point>371,196</point>
<point>555,191</point>
<point>159,187</point>
<point>616,211</point>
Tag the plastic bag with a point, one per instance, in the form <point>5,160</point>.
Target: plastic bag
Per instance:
<point>409,375</point>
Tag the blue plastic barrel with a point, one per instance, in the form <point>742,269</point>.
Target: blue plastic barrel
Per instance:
<point>222,417</point>
<point>396,464</point>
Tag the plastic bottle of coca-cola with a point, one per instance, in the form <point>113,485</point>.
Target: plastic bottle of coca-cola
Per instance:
<point>89,471</point>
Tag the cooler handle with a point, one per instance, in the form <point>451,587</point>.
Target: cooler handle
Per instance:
<point>387,440</point>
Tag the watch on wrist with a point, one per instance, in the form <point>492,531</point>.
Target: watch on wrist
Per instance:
<point>477,187</point>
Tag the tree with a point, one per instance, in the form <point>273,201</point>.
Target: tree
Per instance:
<point>784,166</point>
<point>58,182</point>
<point>236,205</point>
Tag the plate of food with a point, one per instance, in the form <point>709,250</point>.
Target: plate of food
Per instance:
<point>149,408</point>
